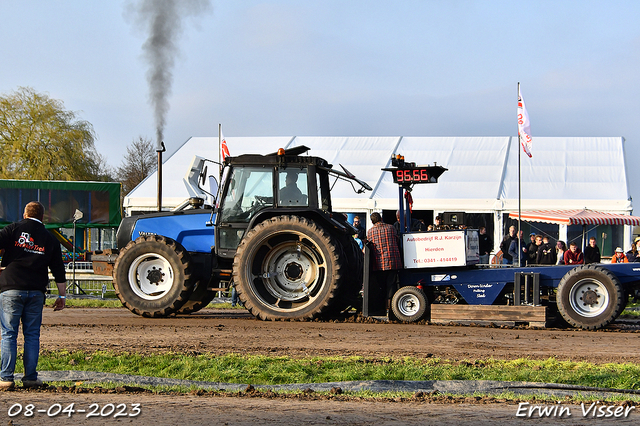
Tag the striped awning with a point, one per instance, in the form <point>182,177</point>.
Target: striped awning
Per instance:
<point>577,217</point>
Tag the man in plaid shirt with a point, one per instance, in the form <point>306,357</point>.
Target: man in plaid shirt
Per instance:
<point>386,255</point>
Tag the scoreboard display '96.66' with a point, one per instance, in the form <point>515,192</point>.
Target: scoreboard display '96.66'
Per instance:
<point>414,175</point>
<point>409,173</point>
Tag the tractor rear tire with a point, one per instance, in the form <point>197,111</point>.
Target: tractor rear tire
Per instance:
<point>152,276</point>
<point>409,304</point>
<point>349,292</point>
<point>590,297</point>
<point>288,267</point>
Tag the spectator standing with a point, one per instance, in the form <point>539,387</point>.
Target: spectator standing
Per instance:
<point>633,254</point>
<point>29,251</point>
<point>573,256</point>
<point>619,256</point>
<point>438,225</point>
<point>506,244</point>
<point>592,252</point>
<point>386,255</point>
<point>532,250</point>
<point>416,225</point>
<point>362,234</point>
<point>519,256</point>
<point>235,300</point>
<point>485,245</point>
<point>546,254</point>
<point>561,248</point>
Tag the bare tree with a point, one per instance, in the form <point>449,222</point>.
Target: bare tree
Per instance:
<point>139,162</point>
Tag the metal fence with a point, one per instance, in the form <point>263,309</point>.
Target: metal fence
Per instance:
<point>85,282</point>
<point>86,267</point>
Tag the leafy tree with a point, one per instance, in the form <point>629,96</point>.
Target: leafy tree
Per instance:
<point>139,162</point>
<point>41,140</point>
<point>100,170</point>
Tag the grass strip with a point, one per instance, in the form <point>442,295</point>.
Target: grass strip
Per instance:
<point>264,370</point>
<point>87,303</point>
<point>631,314</point>
<point>115,303</point>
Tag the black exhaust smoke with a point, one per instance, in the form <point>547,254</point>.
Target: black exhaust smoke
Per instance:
<point>162,20</point>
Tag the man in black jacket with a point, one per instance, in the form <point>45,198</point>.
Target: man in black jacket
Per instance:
<point>546,254</point>
<point>506,243</point>
<point>486,245</point>
<point>29,251</point>
<point>591,252</point>
<point>416,225</point>
<point>532,248</point>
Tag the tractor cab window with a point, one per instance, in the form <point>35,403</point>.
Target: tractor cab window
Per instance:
<point>250,189</point>
<point>324,196</point>
<point>292,184</point>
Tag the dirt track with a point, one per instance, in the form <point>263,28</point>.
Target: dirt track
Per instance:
<point>190,410</point>
<point>235,332</point>
<point>219,331</point>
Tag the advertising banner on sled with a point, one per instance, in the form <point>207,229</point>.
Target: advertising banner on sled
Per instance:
<point>442,248</point>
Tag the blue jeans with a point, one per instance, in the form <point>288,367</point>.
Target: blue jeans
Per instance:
<point>26,307</point>
<point>234,296</point>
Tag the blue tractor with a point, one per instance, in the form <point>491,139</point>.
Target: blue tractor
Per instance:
<point>272,234</point>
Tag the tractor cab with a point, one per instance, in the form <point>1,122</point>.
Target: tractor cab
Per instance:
<point>257,187</point>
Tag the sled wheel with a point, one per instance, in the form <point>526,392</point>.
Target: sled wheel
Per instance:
<point>590,297</point>
<point>409,304</point>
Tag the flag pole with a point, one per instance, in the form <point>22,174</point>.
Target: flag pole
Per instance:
<point>220,145</point>
<point>519,191</point>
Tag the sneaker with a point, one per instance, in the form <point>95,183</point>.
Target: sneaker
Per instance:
<point>32,383</point>
<point>7,385</point>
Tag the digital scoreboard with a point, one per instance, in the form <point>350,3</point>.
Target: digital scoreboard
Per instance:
<point>414,175</point>
<point>408,173</point>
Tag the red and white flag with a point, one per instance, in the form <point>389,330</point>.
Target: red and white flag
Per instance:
<point>524,126</point>
<point>224,150</point>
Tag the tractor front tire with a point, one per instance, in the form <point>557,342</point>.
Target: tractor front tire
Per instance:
<point>152,276</point>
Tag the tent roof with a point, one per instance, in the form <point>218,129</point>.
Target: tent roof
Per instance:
<point>564,173</point>
<point>577,217</point>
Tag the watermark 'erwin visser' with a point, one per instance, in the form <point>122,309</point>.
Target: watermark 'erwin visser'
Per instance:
<point>595,409</point>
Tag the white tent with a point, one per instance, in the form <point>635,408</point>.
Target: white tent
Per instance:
<point>482,176</point>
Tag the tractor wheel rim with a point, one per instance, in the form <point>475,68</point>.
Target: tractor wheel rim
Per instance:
<point>291,271</point>
<point>151,276</point>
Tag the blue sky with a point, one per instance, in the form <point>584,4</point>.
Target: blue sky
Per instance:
<point>347,68</point>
